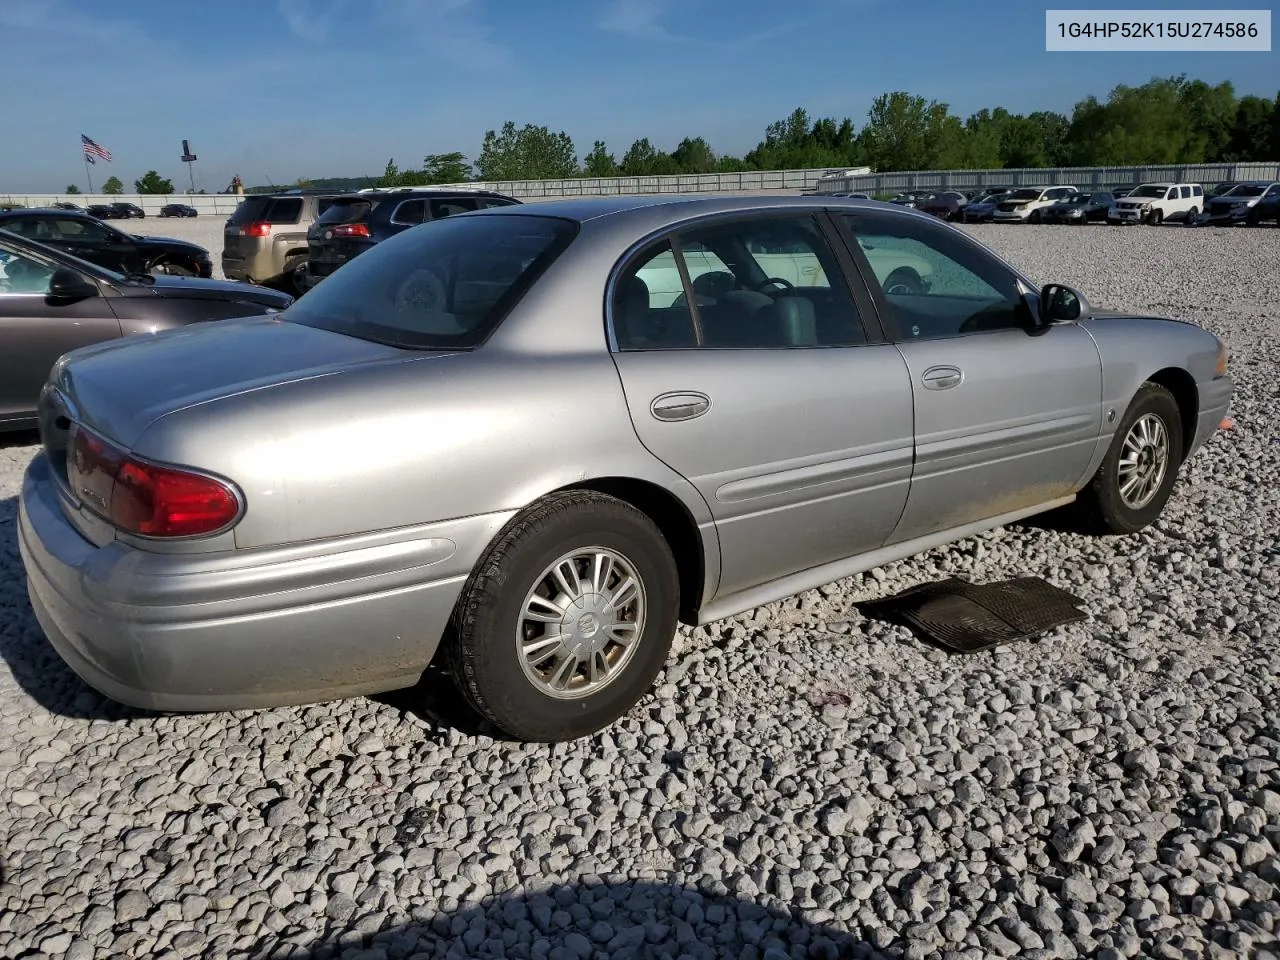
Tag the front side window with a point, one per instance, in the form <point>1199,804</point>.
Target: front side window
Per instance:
<point>446,288</point>
<point>937,285</point>
<point>20,273</point>
<point>763,283</point>
<point>447,208</point>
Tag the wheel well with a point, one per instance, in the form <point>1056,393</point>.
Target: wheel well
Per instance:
<point>676,524</point>
<point>1183,387</point>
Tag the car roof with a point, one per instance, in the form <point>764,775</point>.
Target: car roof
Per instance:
<point>677,206</point>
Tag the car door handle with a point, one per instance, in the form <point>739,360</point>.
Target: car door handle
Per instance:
<point>942,378</point>
<point>679,406</point>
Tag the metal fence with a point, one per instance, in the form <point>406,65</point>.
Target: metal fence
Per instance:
<point>208,204</point>
<point>758,182</point>
<point>1082,177</point>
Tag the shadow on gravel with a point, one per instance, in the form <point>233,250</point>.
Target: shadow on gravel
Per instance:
<point>19,438</point>
<point>639,920</point>
<point>435,700</point>
<point>38,670</point>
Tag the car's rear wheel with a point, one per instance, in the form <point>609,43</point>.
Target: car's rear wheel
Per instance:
<point>567,618</point>
<point>903,280</point>
<point>1137,475</point>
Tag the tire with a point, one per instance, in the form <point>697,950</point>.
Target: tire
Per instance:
<point>1254,219</point>
<point>168,269</point>
<point>1156,217</point>
<point>903,280</point>
<point>1193,215</point>
<point>1104,507</point>
<point>1035,217</point>
<point>483,644</point>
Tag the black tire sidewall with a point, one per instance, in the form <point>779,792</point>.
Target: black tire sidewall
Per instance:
<point>1119,517</point>
<point>495,681</point>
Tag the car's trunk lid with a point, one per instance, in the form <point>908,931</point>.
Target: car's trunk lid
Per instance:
<point>120,387</point>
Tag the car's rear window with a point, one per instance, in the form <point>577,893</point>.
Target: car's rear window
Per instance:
<point>346,211</point>
<point>268,210</point>
<point>443,286</point>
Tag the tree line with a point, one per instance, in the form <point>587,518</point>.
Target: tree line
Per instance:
<point>1167,120</point>
<point>149,183</point>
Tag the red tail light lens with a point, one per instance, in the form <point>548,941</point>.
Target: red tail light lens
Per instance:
<point>257,230</point>
<point>146,498</point>
<point>350,230</point>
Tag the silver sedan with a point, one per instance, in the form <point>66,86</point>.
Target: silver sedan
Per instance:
<point>531,440</point>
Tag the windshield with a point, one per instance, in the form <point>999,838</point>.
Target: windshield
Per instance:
<point>1150,190</point>
<point>1027,193</point>
<point>440,286</point>
<point>1247,190</point>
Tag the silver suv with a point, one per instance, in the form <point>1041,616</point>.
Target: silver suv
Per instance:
<point>265,240</point>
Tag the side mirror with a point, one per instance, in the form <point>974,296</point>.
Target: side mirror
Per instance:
<point>67,284</point>
<point>1060,304</point>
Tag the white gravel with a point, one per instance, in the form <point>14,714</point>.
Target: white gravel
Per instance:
<point>803,783</point>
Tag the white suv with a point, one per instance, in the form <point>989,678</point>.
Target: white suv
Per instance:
<point>1155,203</point>
<point>1024,204</point>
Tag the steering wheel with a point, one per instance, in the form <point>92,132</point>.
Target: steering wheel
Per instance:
<point>785,284</point>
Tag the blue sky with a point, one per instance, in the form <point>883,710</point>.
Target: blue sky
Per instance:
<point>286,88</point>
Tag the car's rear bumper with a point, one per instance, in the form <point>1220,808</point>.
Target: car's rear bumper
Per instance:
<point>242,629</point>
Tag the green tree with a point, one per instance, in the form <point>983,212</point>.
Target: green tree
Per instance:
<point>1136,125</point>
<point>113,186</point>
<point>1249,137</point>
<point>446,168</point>
<point>599,162</point>
<point>1211,112</point>
<point>71,189</point>
<point>906,132</point>
<point>152,182</point>
<point>797,143</point>
<point>528,153</point>
<point>694,155</point>
<point>642,159</point>
<point>390,175</point>
<point>732,165</point>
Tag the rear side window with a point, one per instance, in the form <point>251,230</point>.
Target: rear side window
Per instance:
<point>447,208</point>
<point>446,288</point>
<point>268,210</point>
<point>410,211</point>
<point>346,211</point>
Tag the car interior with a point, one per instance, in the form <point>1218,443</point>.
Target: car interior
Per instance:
<point>738,304</point>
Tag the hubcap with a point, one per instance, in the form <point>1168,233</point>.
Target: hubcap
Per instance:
<point>1143,461</point>
<point>579,624</point>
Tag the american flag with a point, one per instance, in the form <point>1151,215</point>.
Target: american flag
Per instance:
<point>92,149</point>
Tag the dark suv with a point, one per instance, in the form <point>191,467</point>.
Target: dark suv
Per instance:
<point>356,222</point>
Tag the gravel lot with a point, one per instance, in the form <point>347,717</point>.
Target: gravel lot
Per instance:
<point>803,783</point>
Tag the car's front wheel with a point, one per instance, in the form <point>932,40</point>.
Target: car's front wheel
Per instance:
<point>1137,475</point>
<point>567,618</point>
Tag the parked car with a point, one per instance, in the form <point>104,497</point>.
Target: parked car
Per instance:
<point>981,211</point>
<point>1220,188</point>
<point>1079,208</point>
<point>178,210</point>
<point>481,437</point>
<point>265,239</point>
<point>127,211</point>
<point>100,211</point>
<point>6,207</point>
<point>64,205</point>
<point>985,193</point>
<point>1244,203</point>
<point>1026,204</point>
<point>947,204</point>
<point>51,303</point>
<point>1119,192</point>
<point>911,200</point>
<point>86,237</point>
<point>1154,203</point>
<point>355,223</point>
<point>851,196</point>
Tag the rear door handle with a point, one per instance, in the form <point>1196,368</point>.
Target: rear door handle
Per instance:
<point>679,406</point>
<point>942,378</point>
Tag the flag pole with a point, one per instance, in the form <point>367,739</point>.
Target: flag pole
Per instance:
<point>88,176</point>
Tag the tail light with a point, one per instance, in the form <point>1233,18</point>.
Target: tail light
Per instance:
<point>350,230</point>
<point>148,499</point>
<point>256,230</point>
